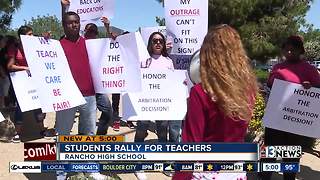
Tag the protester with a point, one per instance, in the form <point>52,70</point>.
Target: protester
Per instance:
<point>75,49</point>
<point>294,69</point>
<point>17,62</point>
<point>115,108</point>
<point>11,41</point>
<point>103,102</point>
<point>159,60</point>
<point>4,79</point>
<point>220,107</point>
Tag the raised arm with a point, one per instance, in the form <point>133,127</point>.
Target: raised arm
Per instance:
<point>106,24</point>
<point>64,5</point>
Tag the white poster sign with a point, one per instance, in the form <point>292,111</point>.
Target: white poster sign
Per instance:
<point>163,96</point>
<point>116,63</point>
<point>51,74</point>
<point>2,117</point>
<point>292,108</point>
<point>187,23</point>
<point>147,31</point>
<point>92,9</point>
<point>25,90</point>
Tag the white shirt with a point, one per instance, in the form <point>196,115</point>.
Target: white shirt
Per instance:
<point>158,62</point>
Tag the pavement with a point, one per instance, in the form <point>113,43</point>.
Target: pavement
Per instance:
<point>310,162</point>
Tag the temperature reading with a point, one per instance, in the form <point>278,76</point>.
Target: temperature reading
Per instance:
<point>158,167</point>
<point>289,167</point>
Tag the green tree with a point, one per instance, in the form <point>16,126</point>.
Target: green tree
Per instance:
<point>312,43</point>
<point>263,25</point>
<point>7,8</point>
<point>312,48</point>
<point>47,23</point>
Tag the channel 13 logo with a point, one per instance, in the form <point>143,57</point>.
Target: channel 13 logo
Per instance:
<point>281,152</point>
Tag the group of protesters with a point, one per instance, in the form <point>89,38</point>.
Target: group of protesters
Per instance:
<point>219,108</point>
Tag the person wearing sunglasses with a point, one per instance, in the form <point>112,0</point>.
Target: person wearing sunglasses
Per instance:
<point>159,60</point>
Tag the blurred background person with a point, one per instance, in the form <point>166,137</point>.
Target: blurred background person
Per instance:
<point>17,62</point>
<point>294,69</point>
<point>4,78</point>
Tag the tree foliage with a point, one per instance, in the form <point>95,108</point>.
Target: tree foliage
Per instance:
<point>47,23</point>
<point>263,25</point>
<point>7,8</point>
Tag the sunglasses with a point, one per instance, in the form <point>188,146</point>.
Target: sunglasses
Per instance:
<point>156,41</point>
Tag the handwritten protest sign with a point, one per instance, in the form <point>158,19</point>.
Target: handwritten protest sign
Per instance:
<point>187,23</point>
<point>50,72</point>
<point>163,96</point>
<point>292,108</point>
<point>180,61</point>
<point>116,63</point>
<point>92,9</point>
<point>25,91</point>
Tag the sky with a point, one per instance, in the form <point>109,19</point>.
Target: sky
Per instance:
<point>129,14</point>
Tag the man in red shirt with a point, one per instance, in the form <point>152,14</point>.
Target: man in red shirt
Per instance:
<point>75,49</point>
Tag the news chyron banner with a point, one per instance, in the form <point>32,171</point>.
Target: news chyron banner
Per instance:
<point>294,109</point>
<point>156,152</point>
<point>130,167</point>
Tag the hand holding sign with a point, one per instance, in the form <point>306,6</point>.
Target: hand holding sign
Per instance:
<point>65,2</point>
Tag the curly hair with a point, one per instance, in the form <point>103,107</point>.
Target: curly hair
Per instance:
<point>226,74</point>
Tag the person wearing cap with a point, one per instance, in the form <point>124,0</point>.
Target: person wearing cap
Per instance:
<point>294,69</point>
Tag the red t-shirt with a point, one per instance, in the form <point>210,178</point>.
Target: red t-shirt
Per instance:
<point>18,54</point>
<point>295,73</point>
<point>206,123</point>
<point>77,56</point>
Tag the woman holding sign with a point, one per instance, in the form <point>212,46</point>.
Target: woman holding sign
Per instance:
<point>221,106</point>
<point>159,60</point>
<point>294,69</point>
<point>17,62</point>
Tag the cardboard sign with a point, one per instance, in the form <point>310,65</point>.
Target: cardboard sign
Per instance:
<point>163,96</point>
<point>25,91</point>
<point>115,64</point>
<point>187,23</point>
<point>92,9</point>
<point>51,74</point>
<point>293,109</point>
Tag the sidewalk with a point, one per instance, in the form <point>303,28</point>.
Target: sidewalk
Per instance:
<point>310,164</point>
